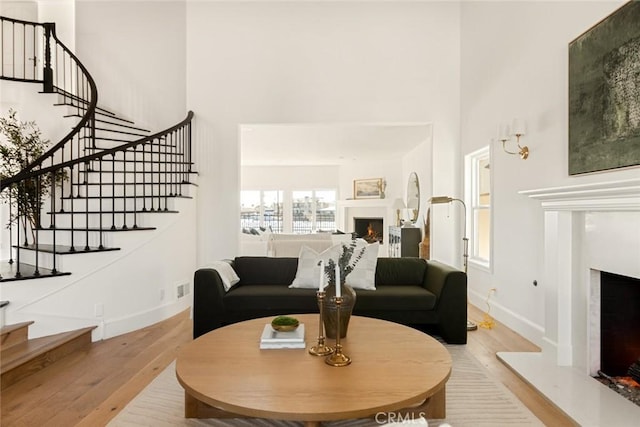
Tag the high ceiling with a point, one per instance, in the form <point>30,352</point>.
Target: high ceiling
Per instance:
<point>327,144</point>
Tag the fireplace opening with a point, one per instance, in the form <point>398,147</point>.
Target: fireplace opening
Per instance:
<point>369,229</point>
<point>619,335</point>
<point>619,322</point>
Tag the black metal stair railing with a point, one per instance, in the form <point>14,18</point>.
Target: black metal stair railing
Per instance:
<point>92,189</point>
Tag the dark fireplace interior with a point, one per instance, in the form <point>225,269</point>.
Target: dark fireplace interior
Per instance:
<point>370,229</point>
<point>619,323</point>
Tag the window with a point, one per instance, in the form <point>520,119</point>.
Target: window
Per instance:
<point>478,199</point>
<point>325,210</point>
<point>299,212</point>
<point>302,211</point>
<point>261,209</point>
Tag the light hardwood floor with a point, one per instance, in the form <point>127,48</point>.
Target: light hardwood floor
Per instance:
<point>90,387</point>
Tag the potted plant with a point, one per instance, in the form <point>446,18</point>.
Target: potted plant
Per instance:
<point>21,143</point>
<point>345,265</point>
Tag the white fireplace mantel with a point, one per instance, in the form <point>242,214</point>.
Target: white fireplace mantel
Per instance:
<point>572,216</point>
<point>600,196</point>
<point>347,210</point>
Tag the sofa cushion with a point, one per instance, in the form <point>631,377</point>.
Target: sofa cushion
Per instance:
<point>402,271</point>
<point>308,274</point>
<point>364,273</point>
<point>395,297</point>
<point>265,270</point>
<point>265,296</point>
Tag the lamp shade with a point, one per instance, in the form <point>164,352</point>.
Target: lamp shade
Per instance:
<point>436,200</point>
<point>518,127</point>
<point>398,204</point>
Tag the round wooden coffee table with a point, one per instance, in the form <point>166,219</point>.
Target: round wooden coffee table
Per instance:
<point>395,370</point>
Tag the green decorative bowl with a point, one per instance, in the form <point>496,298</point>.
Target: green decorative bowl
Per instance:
<point>285,324</point>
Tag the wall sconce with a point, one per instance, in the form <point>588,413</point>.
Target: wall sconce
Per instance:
<point>517,128</point>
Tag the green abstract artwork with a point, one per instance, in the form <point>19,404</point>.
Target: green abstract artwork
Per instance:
<point>604,94</point>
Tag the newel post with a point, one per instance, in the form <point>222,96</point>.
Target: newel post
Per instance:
<point>49,30</point>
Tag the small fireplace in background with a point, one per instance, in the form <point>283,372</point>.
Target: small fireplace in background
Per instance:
<point>369,229</point>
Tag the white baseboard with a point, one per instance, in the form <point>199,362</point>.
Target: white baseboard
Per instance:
<point>529,330</point>
<point>123,325</point>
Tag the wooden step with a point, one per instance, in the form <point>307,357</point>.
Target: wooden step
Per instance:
<point>21,360</point>
<point>15,334</point>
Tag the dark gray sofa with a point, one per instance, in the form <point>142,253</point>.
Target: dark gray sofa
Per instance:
<point>410,291</point>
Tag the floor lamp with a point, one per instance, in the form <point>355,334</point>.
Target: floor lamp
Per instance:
<point>437,200</point>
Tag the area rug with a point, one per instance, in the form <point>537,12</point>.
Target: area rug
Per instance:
<point>473,399</point>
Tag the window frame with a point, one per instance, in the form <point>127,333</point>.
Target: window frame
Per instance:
<point>288,218</point>
<point>472,199</point>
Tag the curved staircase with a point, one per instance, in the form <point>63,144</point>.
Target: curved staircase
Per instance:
<point>106,177</point>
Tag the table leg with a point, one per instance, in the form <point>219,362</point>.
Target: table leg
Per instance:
<point>438,406</point>
<point>194,408</point>
<point>312,424</point>
<point>433,408</point>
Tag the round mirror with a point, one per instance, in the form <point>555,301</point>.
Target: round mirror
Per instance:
<point>413,197</point>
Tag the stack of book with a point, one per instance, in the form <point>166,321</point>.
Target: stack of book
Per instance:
<point>274,339</point>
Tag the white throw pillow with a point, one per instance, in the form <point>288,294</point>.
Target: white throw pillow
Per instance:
<point>227,274</point>
<point>363,275</point>
<point>308,274</point>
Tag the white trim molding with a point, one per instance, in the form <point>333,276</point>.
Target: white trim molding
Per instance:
<point>601,196</point>
<point>587,227</point>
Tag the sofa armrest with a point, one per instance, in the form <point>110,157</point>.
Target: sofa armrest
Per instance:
<point>208,307</point>
<point>450,287</point>
<point>438,275</point>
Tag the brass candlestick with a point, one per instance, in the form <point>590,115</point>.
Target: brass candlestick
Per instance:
<point>320,349</point>
<point>338,358</point>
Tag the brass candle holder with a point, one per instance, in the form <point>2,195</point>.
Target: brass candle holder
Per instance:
<point>338,358</point>
<point>320,349</point>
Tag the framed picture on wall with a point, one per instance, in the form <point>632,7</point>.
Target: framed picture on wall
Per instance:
<point>367,188</point>
<point>604,94</point>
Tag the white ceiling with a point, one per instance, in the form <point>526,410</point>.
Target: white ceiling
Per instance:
<point>327,144</point>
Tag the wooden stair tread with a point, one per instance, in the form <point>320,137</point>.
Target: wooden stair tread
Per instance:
<point>24,352</point>
<point>7,329</point>
<point>13,335</point>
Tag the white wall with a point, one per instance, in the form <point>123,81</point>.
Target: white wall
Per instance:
<point>390,170</point>
<point>289,178</point>
<point>515,64</point>
<point>420,161</point>
<point>135,51</point>
<point>63,13</point>
<point>310,62</point>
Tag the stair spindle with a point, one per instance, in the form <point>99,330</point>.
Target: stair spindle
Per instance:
<point>159,175</point>
<point>100,246</point>
<point>72,247</point>
<point>135,187</point>
<point>39,207</point>
<point>18,275</point>
<point>53,217</point>
<point>10,229</point>
<point>113,191</point>
<point>166,170</point>
<point>151,174</point>
<point>124,190</point>
<point>86,206</point>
